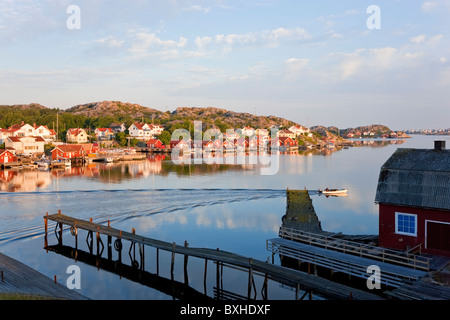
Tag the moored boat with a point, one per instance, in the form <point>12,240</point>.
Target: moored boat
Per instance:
<point>328,191</point>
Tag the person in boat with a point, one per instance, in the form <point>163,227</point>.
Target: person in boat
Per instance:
<point>327,189</point>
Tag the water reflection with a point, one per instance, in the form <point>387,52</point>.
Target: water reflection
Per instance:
<point>163,165</point>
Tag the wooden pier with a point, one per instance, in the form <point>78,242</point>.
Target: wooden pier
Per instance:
<point>18,281</point>
<point>294,278</point>
<point>352,258</point>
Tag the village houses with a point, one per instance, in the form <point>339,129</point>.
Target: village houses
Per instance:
<point>26,130</point>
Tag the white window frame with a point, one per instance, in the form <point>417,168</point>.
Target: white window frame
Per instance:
<point>402,232</point>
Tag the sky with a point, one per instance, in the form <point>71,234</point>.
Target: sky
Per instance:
<point>332,63</point>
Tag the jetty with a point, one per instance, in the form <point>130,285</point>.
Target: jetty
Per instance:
<point>300,281</point>
<point>405,274</point>
<point>19,281</point>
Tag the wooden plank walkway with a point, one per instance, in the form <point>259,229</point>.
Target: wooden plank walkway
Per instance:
<point>22,282</point>
<point>285,275</point>
<point>360,249</point>
<point>420,291</point>
<point>392,275</point>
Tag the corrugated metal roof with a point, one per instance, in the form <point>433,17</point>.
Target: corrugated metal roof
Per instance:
<point>416,177</point>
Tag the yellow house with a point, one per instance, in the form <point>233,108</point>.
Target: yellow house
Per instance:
<point>76,136</point>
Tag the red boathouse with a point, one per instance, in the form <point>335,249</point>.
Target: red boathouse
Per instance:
<point>413,195</point>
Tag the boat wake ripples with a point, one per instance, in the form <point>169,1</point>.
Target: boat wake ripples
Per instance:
<point>21,214</point>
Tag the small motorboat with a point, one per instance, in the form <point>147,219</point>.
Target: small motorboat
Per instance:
<point>43,164</point>
<point>333,192</point>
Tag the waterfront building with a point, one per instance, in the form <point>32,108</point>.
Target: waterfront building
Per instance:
<point>248,131</point>
<point>413,195</point>
<point>68,151</point>
<point>181,144</point>
<point>155,144</point>
<point>6,156</point>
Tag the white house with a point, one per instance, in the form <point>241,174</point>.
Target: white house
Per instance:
<point>45,133</point>
<point>3,135</point>
<point>262,132</point>
<point>157,129</point>
<point>144,131</point>
<point>118,127</point>
<point>285,134</point>
<point>104,133</point>
<point>25,130</point>
<point>21,130</point>
<point>248,131</point>
<point>76,135</point>
<point>140,131</point>
<point>298,129</point>
<point>26,145</point>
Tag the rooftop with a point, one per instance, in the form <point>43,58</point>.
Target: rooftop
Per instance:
<point>416,177</point>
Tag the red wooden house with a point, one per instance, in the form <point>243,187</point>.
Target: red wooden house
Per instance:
<point>68,151</point>
<point>228,145</point>
<point>288,142</point>
<point>413,195</point>
<point>155,144</point>
<point>180,144</point>
<point>6,156</point>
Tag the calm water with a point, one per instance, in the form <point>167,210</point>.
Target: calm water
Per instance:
<point>231,207</point>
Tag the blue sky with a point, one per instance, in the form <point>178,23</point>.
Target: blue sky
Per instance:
<point>313,62</point>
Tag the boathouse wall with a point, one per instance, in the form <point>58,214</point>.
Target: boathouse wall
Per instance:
<point>430,228</point>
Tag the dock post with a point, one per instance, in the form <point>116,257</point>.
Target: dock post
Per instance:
<point>46,230</point>
<point>89,241</point>
<point>186,278</point>
<point>172,260</point>
<point>59,233</point>
<point>250,279</point>
<point>264,290</point>
<point>204,275</point>
<point>218,279</point>
<point>157,261</point>
<point>141,256</point>
<point>99,242</point>
<point>109,247</point>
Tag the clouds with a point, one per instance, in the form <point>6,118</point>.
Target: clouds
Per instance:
<point>229,53</point>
